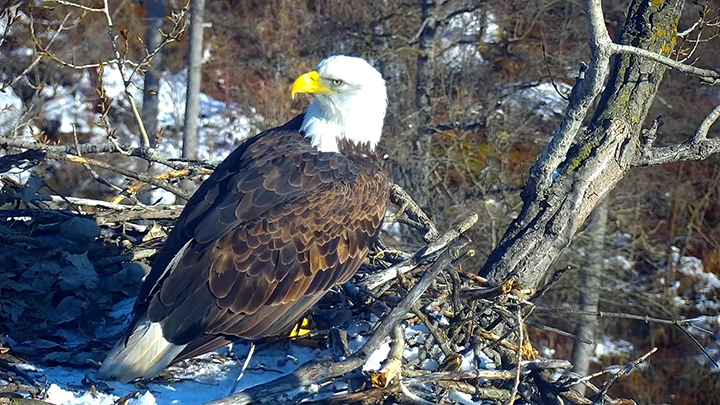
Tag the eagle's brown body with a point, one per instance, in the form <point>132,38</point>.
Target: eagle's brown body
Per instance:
<point>274,227</point>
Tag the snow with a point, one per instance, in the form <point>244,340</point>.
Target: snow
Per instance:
<point>610,347</point>
<point>11,110</point>
<point>376,359</point>
<point>211,376</point>
<point>411,354</point>
<point>462,398</point>
<point>199,381</point>
<point>692,266</point>
<point>544,99</point>
<point>493,31</point>
<point>468,360</point>
<point>547,352</point>
<point>430,365</point>
<point>222,126</point>
<point>617,261</point>
<point>461,27</point>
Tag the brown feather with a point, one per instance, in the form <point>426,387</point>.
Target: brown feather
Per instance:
<point>275,227</point>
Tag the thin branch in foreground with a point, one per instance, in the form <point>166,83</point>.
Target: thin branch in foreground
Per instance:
<point>402,199</point>
<point>148,154</point>
<point>621,315</point>
<point>516,384</point>
<point>392,365</point>
<point>373,281</point>
<point>625,371</point>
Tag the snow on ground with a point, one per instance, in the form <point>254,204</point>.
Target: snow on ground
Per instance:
<point>199,381</point>
<point>610,347</point>
<point>11,109</point>
<point>456,39</point>
<point>212,376</point>
<point>543,99</point>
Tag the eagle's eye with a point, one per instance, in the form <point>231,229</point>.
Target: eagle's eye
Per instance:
<point>337,82</point>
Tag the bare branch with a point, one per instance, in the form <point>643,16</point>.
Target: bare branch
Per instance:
<point>587,87</point>
<point>151,155</point>
<point>516,384</point>
<point>80,6</point>
<point>697,147</point>
<point>603,314</point>
<point>707,76</point>
<point>377,279</point>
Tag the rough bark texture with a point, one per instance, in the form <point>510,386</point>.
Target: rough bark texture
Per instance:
<point>192,106</point>
<point>416,175</point>
<point>598,159</point>
<point>590,292</point>
<point>153,38</point>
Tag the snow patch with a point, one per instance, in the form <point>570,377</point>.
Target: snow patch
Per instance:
<point>609,347</point>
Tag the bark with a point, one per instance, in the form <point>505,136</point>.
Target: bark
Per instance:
<point>416,175</point>
<point>574,175</point>
<point>590,293</point>
<point>192,106</point>
<point>153,38</point>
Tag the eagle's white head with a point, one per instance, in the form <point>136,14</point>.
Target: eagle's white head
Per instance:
<point>350,102</point>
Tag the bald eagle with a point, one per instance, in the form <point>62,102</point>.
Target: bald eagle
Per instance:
<point>286,216</point>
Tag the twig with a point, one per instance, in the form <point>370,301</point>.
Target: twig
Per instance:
<point>411,397</point>
<point>516,384</point>
<point>93,203</point>
<point>37,59</point>
<point>80,6</point>
<point>375,280</point>
<point>553,280</point>
<point>558,332</point>
<point>439,335</point>
<point>603,314</point>
<point>402,199</point>
<point>244,367</point>
<point>698,344</point>
<point>129,173</point>
<point>148,154</point>
<point>419,377</point>
<point>149,212</point>
<point>625,371</point>
<point>92,171</point>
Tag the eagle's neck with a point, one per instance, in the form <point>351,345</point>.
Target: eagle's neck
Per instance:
<point>327,123</point>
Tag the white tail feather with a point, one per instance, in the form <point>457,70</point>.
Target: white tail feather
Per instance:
<point>145,354</point>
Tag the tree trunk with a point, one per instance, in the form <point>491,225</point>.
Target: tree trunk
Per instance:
<point>590,292</point>
<point>415,175</point>
<point>153,38</point>
<point>192,105</point>
<point>556,205</point>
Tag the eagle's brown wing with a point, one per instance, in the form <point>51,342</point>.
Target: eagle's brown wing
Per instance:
<point>265,236</point>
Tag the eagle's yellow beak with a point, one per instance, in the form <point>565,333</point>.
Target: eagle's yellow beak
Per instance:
<point>309,83</point>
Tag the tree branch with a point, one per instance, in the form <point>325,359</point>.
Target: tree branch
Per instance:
<point>587,87</point>
<point>697,147</point>
<point>707,76</point>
